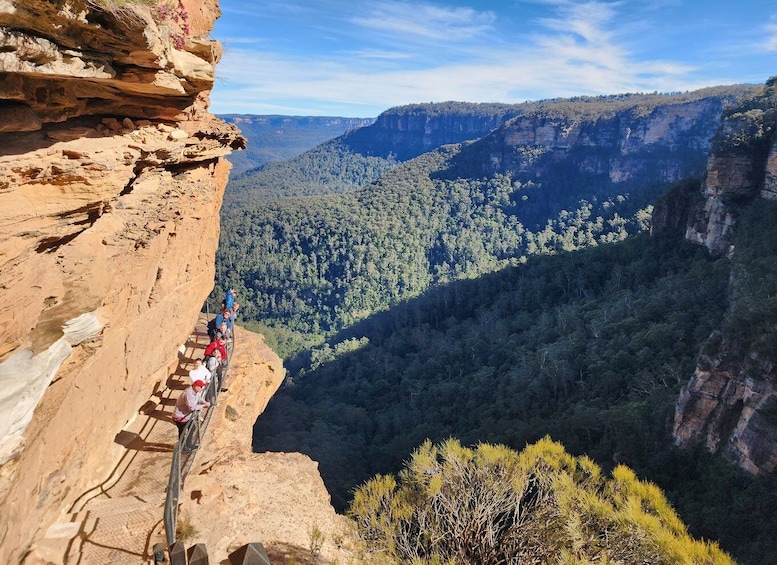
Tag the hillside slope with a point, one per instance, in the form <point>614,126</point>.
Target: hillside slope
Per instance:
<point>593,347</point>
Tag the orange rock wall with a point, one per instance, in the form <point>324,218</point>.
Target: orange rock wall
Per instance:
<point>112,174</point>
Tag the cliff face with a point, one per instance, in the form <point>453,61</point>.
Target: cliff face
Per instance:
<point>735,175</point>
<point>409,131</point>
<point>111,180</point>
<point>646,139</point>
<point>729,404</point>
<point>665,143</point>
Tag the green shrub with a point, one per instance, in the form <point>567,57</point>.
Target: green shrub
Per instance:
<point>492,505</point>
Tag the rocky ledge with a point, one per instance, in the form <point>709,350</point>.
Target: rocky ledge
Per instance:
<point>233,496</point>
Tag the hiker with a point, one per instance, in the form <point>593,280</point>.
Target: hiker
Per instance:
<point>229,299</point>
<point>224,317</point>
<point>187,404</point>
<point>213,361</point>
<point>217,344</point>
<point>200,372</point>
<point>225,331</point>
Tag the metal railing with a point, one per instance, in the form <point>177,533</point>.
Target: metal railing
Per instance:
<point>189,441</point>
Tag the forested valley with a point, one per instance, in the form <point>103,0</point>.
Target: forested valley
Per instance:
<point>276,138</point>
<point>501,291</point>
<point>318,242</point>
<point>590,347</point>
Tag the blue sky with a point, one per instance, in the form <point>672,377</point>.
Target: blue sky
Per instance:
<point>357,58</point>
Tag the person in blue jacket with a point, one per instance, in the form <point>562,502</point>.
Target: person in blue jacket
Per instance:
<point>225,317</point>
<point>229,299</point>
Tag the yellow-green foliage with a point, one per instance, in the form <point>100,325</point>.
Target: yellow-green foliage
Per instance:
<point>490,504</point>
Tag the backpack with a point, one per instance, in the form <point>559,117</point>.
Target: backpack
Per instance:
<point>212,329</point>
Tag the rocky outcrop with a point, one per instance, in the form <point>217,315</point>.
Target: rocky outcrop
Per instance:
<point>729,404</point>
<point>233,496</point>
<point>66,59</point>
<point>111,180</point>
<point>729,407</point>
<point>734,175</point>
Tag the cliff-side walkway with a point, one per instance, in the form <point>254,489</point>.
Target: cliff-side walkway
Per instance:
<point>119,520</point>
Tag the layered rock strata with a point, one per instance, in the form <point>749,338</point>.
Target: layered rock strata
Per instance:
<point>665,143</point>
<point>729,408</point>
<point>408,131</point>
<point>734,175</point>
<point>730,402</point>
<point>111,181</point>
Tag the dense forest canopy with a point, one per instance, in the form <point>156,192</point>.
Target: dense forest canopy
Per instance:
<point>328,168</point>
<point>318,265</point>
<point>590,347</point>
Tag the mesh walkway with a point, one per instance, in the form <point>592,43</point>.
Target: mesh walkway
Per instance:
<point>120,520</point>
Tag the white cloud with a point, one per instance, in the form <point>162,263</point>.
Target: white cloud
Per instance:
<point>425,21</point>
<point>335,85</point>
<point>771,41</point>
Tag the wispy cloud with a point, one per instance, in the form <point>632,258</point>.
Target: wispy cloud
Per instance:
<point>589,21</point>
<point>379,54</point>
<point>428,21</point>
<point>771,40</point>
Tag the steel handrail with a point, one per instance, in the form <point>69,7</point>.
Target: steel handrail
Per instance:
<point>189,441</point>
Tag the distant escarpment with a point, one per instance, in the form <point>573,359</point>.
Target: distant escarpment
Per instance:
<point>730,403</point>
<point>408,131</point>
<point>111,180</point>
<point>629,140</point>
<point>632,138</point>
<point>617,130</point>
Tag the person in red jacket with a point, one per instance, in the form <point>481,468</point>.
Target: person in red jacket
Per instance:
<point>217,344</point>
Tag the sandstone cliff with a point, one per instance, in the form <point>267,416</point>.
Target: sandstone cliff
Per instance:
<point>408,131</point>
<point>111,180</point>
<point>621,137</point>
<point>729,404</point>
<point>634,138</point>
